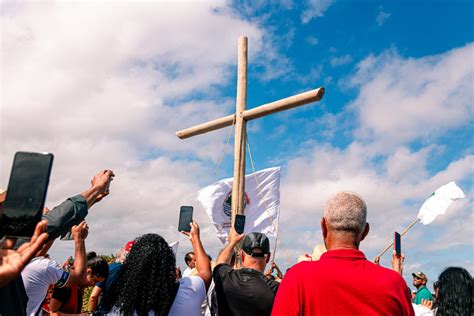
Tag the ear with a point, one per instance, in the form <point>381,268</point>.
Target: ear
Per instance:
<point>324,227</point>
<point>365,232</point>
<point>268,257</point>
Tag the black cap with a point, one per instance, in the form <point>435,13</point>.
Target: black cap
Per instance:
<point>256,240</point>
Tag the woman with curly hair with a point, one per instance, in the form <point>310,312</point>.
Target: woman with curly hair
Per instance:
<point>147,285</point>
<point>453,295</point>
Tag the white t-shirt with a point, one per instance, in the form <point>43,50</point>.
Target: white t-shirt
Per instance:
<point>187,273</point>
<point>188,300</point>
<point>191,294</point>
<point>37,276</point>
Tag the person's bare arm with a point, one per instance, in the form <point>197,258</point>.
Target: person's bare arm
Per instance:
<point>226,254</point>
<point>94,298</point>
<point>12,262</point>
<point>203,265</point>
<point>99,187</point>
<point>78,273</point>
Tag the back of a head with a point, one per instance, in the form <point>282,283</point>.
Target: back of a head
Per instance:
<point>98,265</point>
<point>257,247</point>
<point>455,292</point>
<point>147,280</point>
<point>188,257</point>
<point>346,212</point>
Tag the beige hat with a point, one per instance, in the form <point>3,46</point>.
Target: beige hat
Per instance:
<point>319,249</point>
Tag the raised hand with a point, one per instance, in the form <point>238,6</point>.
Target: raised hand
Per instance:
<point>80,232</point>
<point>12,262</point>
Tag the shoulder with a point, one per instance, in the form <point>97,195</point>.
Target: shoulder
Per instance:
<point>192,284</point>
<point>425,293</point>
<point>221,270</point>
<point>385,272</point>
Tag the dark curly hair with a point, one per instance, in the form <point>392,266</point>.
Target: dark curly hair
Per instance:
<point>455,292</point>
<point>147,280</point>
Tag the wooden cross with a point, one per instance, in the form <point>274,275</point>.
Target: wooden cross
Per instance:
<point>241,116</point>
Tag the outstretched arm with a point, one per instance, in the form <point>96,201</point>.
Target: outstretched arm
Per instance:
<point>74,210</point>
<point>203,265</point>
<point>226,254</point>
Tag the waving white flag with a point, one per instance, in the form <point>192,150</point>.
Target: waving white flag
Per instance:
<point>261,203</point>
<point>439,202</point>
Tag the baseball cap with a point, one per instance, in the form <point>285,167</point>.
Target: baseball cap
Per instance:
<point>256,240</point>
<point>128,246</point>
<point>420,275</point>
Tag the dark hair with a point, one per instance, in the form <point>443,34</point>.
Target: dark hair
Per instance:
<point>188,258</point>
<point>455,292</point>
<point>147,280</point>
<point>98,265</point>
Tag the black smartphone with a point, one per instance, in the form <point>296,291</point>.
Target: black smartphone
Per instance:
<point>397,244</point>
<point>239,223</point>
<point>185,218</point>
<point>26,194</point>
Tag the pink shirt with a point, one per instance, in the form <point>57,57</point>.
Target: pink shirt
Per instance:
<point>342,282</point>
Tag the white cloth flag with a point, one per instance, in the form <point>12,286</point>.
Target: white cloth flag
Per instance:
<point>174,247</point>
<point>439,202</point>
<point>261,203</point>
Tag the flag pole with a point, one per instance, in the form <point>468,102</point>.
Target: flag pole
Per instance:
<point>401,234</point>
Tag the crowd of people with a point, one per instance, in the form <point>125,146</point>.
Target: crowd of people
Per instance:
<point>144,278</point>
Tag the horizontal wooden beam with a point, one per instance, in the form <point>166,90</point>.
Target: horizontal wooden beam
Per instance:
<point>206,127</point>
<point>284,104</point>
<point>265,109</point>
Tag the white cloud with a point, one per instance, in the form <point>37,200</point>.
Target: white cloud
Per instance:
<point>341,60</point>
<point>315,9</point>
<point>382,17</point>
<point>403,99</point>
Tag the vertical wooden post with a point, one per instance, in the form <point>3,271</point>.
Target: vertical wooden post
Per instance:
<point>238,187</point>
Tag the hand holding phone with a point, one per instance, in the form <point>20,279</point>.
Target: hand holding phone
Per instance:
<point>185,219</point>
<point>397,244</point>
<point>26,194</point>
<point>239,223</point>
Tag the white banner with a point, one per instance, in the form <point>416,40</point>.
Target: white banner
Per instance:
<point>439,202</point>
<point>261,203</point>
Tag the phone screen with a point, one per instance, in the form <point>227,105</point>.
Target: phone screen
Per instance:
<point>397,244</point>
<point>239,223</point>
<point>26,193</point>
<point>185,218</point>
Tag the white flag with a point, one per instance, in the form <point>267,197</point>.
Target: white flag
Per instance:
<point>174,247</point>
<point>261,203</point>
<point>439,202</point>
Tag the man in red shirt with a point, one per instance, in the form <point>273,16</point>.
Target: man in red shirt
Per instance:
<point>343,281</point>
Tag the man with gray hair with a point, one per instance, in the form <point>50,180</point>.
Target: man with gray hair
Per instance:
<point>343,281</point>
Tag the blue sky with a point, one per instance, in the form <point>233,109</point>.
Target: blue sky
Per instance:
<point>106,85</point>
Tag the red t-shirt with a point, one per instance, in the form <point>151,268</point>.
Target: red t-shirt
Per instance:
<point>342,282</point>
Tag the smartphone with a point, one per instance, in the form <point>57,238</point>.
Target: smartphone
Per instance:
<point>26,193</point>
<point>239,223</point>
<point>397,244</point>
<point>185,218</point>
